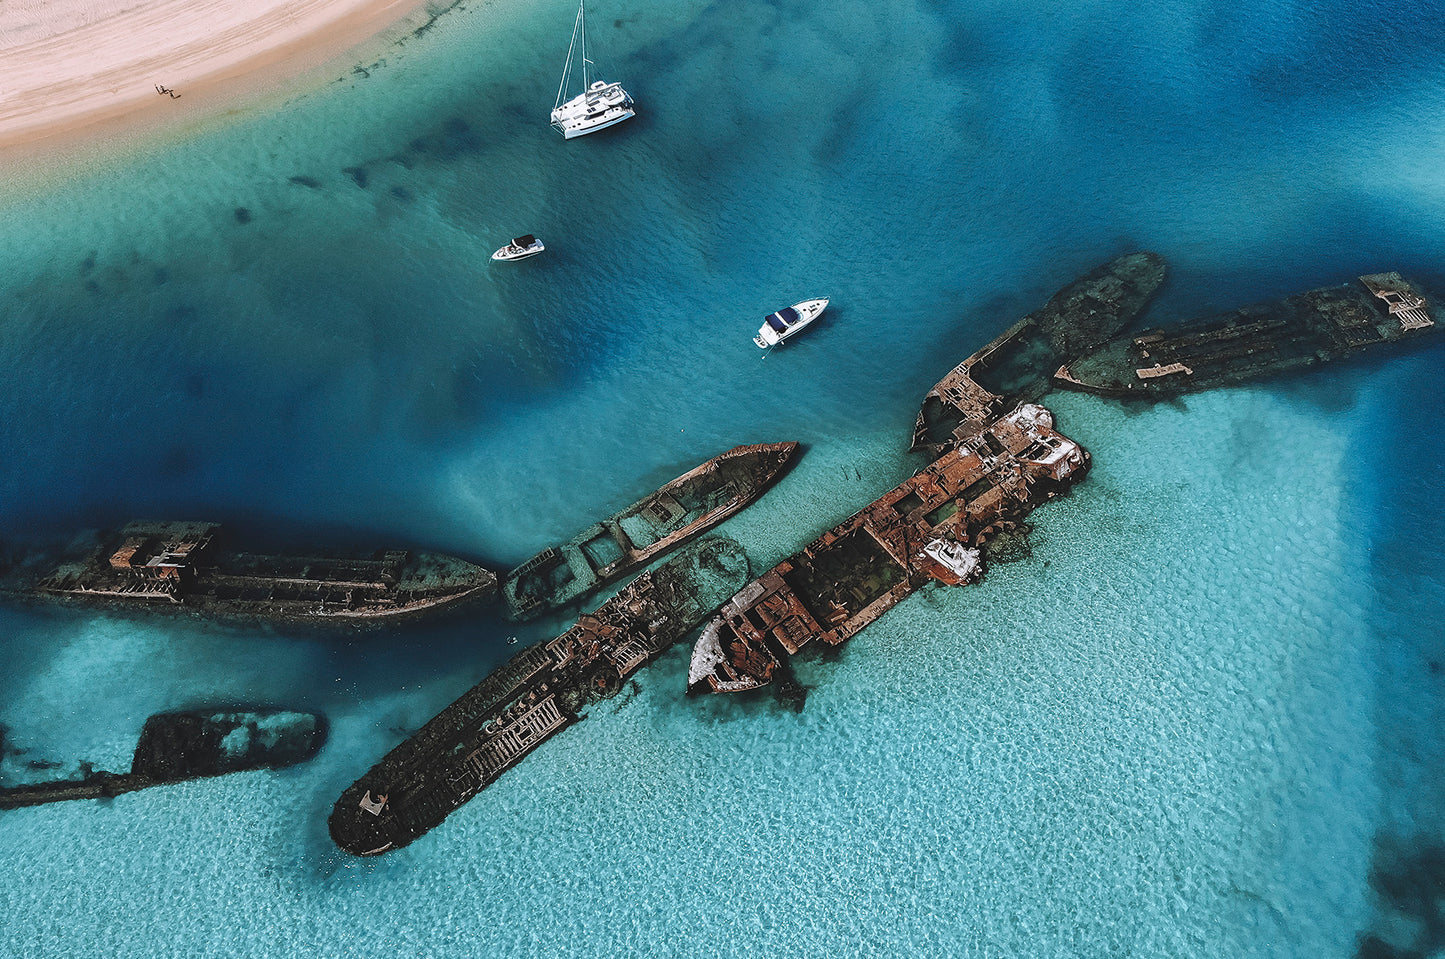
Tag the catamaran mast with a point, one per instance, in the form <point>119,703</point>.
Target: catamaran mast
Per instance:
<point>582,22</point>
<point>579,30</point>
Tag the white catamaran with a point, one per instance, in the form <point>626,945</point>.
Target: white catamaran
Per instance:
<point>600,104</point>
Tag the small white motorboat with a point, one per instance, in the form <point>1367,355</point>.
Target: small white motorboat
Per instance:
<point>520,248</point>
<point>778,326</point>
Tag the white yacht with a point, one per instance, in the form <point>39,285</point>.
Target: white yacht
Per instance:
<point>600,104</point>
<point>520,248</point>
<point>778,326</point>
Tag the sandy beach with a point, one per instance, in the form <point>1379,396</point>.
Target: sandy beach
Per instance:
<point>68,67</point>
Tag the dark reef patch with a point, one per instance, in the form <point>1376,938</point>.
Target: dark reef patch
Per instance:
<point>242,215</point>
<point>1408,878</point>
<point>435,15</point>
<point>455,139</point>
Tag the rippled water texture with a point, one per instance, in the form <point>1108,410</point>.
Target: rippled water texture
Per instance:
<point>1196,714</point>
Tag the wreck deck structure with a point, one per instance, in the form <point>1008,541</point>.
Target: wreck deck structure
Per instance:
<point>1014,367</point>
<point>929,528</point>
<point>178,564</point>
<point>529,699</point>
<point>1265,339</point>
<point>684,508</point>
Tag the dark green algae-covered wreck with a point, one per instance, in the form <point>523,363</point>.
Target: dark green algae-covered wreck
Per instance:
<point>1014,366</point>
<point>644,532</point>
<point>1265,339</point>
<point>190,744</point>
<point>530,698</point>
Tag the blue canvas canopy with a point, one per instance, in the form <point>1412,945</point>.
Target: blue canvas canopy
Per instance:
<point>781,320</point>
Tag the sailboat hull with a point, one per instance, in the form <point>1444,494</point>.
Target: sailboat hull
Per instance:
<point>604,106</point>
<point>569,133</point>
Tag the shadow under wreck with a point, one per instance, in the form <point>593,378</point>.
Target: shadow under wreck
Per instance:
<point>534,695</point>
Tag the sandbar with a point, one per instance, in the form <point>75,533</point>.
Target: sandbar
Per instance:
<point>68,67</point>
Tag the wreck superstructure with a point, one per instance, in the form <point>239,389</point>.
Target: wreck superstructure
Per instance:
<point>1298,331</point>
<point>684,508</point>
<point>534,695</point>
<point>178,563</point>
<point>929,528</point>
<point>1014,367</point>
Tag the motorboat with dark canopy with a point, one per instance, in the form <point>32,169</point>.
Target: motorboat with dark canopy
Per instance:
<point>778,326</point>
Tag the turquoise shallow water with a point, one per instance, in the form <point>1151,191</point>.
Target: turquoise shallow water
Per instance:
<point>1194,720</point>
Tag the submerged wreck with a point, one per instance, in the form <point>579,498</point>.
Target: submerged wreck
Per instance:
<point>661,521</point>
<point>179,564</point>
<point>1015,366</point>
<point>929,528</point>
<point>530,698</point>
<point>177,746</point>
<point>1298,331</point>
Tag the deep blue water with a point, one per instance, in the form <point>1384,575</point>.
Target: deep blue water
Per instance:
<point>1202,717</point>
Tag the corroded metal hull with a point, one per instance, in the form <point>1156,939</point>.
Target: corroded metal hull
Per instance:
<point>920,531</point>
<point>645,531</point>
<point>537,693</point>
<point>1265,339</point>
<point>176,564</point>
<point>1015,366</point>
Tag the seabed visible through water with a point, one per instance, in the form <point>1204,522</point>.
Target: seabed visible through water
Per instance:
<point>1197,716</point>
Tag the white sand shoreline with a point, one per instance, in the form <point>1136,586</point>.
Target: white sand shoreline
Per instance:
<point>71,67</point>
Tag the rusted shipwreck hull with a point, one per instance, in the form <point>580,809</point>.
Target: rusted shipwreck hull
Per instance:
<point>1265,339</point>
<point>928,528</point>
<point>1015,366</point>
<point>645,531</point>
<point>190,744</point>
<point>177,563</point>
<point>537,693</point>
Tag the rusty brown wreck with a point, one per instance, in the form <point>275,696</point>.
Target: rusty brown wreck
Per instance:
<point>929,528</point>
